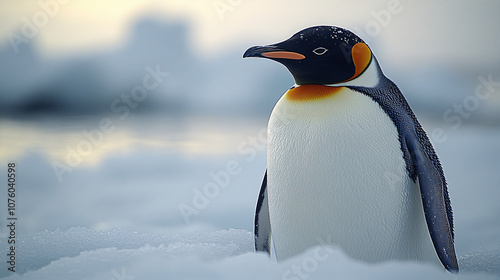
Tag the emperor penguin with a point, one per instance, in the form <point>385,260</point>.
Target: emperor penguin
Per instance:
<point>348,163</point>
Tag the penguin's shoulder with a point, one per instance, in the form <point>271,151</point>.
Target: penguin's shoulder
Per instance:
<point>394,104</point>
<point>391,100</point>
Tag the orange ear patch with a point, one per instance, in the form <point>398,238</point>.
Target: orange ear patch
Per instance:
<point>361,56</point>
<point>311,92</point>
<point>284,54</point>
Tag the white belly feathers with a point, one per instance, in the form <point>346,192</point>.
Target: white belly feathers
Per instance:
<point>336,174</point>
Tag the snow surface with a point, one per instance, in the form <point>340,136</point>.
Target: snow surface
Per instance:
<point>81,253</point>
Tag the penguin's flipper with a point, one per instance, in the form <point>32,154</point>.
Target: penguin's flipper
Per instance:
<point>262,225</point>
<point>433,199</point>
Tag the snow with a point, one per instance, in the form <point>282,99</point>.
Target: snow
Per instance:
<point>81,253</point>
<point>46,246</point>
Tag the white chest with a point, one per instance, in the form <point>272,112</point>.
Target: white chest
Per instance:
<point>336,174</point>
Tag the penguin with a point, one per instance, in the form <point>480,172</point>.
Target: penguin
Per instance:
<point>348,163</point>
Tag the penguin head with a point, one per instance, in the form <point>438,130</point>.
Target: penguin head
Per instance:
<point>319,55</point>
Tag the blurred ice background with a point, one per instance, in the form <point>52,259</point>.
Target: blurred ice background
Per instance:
<point>105,203</point>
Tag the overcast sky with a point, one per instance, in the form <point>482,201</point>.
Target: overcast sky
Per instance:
<point>453,31</point>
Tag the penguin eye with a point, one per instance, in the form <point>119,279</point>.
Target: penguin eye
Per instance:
<point>320,51</point>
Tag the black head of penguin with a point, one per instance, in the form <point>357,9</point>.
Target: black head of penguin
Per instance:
<point>319,55</point>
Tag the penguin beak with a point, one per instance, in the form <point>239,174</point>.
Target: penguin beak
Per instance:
<point>272,52</point>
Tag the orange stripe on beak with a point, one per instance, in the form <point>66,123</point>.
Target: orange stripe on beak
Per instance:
<point>284,54</point>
